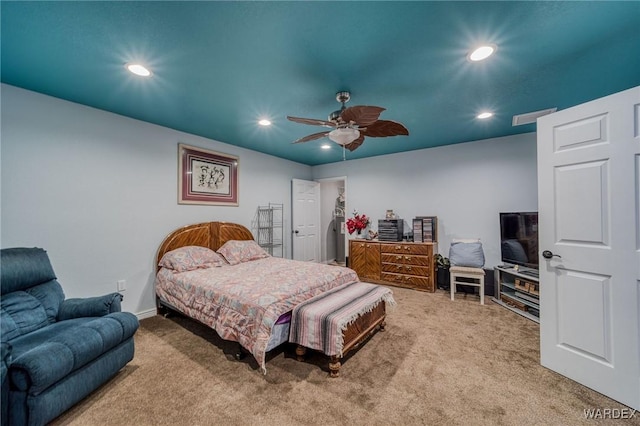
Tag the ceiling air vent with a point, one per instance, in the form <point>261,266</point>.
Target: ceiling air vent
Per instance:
<point>531,117</point>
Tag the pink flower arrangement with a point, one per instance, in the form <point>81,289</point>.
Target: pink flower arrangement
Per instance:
<point>357,223</point>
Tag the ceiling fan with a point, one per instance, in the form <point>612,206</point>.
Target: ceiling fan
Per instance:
<point>351,125</point>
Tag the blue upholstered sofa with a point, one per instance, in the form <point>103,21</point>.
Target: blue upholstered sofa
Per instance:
<point>55,351</point>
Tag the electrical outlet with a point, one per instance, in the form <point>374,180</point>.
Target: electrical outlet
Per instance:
<point>122,285</point>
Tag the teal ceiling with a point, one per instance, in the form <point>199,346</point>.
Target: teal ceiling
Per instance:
<point>221,66</point>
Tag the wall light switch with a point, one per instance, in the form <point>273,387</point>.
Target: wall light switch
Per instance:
<point>122,285</point>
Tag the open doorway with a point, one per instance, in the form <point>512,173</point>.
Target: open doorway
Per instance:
<point>332,215</point>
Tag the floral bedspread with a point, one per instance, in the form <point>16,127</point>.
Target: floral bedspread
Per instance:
<point>243,302</point>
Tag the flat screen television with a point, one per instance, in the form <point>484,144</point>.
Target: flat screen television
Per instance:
<point>519,239</point>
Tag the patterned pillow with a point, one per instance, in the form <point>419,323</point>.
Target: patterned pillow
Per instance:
<point>189,258</point>
<point>235,251</point>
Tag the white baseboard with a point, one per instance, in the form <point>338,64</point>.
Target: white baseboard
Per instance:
<point>146,314</point>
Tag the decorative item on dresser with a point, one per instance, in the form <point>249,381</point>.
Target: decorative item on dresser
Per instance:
<point>402,264</point>
<point>357,223</point>
<point>425,229</point>
<point>390,229</point>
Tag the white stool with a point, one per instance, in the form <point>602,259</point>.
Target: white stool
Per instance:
<point>475,276</point>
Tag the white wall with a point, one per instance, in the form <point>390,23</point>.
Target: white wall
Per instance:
<point>98,191</point>
<point>464,185</point>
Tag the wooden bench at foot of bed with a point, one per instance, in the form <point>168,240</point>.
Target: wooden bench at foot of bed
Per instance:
<point>338,321</point>
<point>356,333</point>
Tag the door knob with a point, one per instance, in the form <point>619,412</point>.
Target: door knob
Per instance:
<point>548,255</point>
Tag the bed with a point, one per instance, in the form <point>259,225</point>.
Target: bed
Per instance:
<point>249,298</point>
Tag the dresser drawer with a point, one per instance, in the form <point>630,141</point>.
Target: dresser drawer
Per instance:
<point>391,258</point>
<point>406,259</point>
<point>406,280</point>
<point>398,268</point>
<point>406,248</point>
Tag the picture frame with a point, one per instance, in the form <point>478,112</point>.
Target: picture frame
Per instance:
<point>206,177</point>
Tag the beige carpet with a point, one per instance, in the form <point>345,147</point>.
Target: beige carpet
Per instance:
<point>438,363</point>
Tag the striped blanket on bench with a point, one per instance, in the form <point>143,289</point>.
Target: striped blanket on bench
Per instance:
<point>319,322</point>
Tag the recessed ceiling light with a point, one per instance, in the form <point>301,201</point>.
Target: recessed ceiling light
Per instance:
<point>326,146</point>
<point>482,52</point>
<point>138,69</point>
<point>264,122</point>
<point>484,115</point>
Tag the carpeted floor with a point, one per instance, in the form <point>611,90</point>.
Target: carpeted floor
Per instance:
<point>438,363</point>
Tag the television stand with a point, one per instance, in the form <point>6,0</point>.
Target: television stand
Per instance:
<point>519,291</point>
<point>530,272</point>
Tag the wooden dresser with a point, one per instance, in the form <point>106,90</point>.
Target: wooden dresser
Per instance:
<point>400,263</point>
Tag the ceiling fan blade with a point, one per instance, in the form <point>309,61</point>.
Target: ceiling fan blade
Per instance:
<point>363,115</point>
<point>312,121</point>
<point>356,143</point>
<point>311,137</point>
<point>383,128</point>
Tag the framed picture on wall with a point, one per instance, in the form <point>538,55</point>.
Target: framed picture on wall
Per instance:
<point>206,177</point>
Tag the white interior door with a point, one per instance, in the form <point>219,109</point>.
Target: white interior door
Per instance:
<point>589,224</point>
<point>306,220</point>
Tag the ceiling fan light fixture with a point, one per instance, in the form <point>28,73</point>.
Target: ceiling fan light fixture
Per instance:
<point>344,136</point>
<point>351,125</point>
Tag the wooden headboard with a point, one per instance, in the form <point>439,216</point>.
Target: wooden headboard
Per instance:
<point>207,234</point>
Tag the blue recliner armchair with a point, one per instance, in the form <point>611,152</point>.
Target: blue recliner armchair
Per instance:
<point>54,351</point>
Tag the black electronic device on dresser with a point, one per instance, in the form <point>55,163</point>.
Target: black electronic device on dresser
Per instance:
<point>390,229</point>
